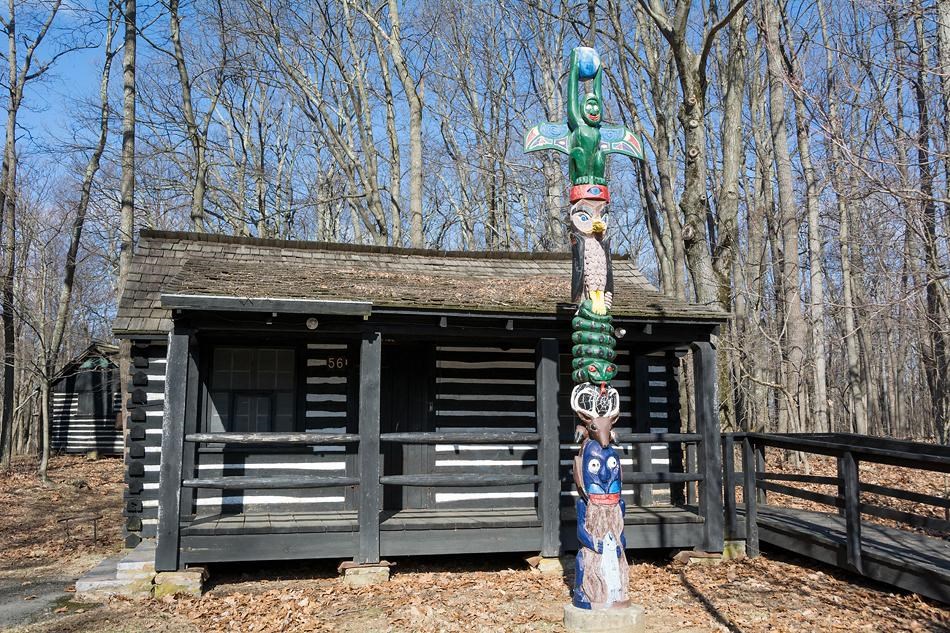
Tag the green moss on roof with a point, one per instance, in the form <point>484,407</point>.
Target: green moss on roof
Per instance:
<point>516,283</point>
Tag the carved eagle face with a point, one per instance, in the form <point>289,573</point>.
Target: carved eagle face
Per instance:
<point>589,217</point>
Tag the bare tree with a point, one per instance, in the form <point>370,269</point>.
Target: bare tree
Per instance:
<point>54,347</point>
<point>23,68</point>
<point>691,69</point>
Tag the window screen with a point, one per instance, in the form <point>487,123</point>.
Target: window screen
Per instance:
<point>251,390</point>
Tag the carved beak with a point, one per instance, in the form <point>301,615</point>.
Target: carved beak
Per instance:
<point>598,226</point>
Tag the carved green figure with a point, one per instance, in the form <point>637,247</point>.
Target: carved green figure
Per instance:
<point>585,138</point>
<point>583,119</point>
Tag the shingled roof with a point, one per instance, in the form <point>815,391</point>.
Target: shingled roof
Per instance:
<point>511,283</point>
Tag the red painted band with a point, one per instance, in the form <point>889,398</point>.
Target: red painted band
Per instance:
<point>589,192</point>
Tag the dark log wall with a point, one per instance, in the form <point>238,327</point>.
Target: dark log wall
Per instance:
<point>482,388</point>
<point>649,403</point>
<point>662,416</point>
<point>144,407</point>
<point>327,384</point>
<point>76,431</point>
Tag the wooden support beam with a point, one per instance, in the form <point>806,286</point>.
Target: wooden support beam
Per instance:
<point>371,490</point>
<point>729,475</point>
<point>173,434</point>
<point>848,473</point>
<point>189,453</point>
<point>487,437</point>
<point>710,453</point>
<point>750,497</point>
<point>547,384</point>
<point>659,438</point>
<point>268,483</point>
<point>465,480</point>
<point>300,439</point>
<point>660,478</point>
<point>266,304</point>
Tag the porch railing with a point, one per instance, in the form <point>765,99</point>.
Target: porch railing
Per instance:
<point>850,451</point>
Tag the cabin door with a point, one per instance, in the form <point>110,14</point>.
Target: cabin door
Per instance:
<point>404,408</point>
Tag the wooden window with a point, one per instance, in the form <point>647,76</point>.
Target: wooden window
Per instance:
<point>252,389</point>
<point>96,401</point>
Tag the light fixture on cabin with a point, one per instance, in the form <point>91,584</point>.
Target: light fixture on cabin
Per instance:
<point>312,323</point>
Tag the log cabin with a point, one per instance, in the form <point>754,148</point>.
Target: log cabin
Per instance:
<point>86,401</point>
<point>303,400</point>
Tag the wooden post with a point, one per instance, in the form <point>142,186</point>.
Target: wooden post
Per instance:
<point>549,449</point>
<point>173,440</point>
<point>189,452</point>
<point>761,495</point>
<point>371,491</point>
<point>691,467</point>
<point>641,410</point>
<point>729,473</point>
<point>848,475</point>
<point>750,498</point>
<point>710,453</point>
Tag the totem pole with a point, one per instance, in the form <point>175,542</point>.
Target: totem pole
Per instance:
<point>601,564</point>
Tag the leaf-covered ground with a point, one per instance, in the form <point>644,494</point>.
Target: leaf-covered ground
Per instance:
<point>496,593</point>
<point>31,536</point>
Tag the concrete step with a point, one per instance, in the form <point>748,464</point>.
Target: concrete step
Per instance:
<point>129,574</point>
<point>138,563</point>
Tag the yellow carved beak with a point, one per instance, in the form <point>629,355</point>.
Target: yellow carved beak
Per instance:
<point>598,226</point>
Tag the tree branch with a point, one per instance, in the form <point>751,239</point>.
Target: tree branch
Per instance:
<point>711,35</point>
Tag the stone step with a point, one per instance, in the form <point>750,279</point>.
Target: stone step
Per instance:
<point>128,574</point>
<point>140,559</point>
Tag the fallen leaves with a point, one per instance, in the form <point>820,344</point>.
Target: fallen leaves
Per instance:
<point>30,536</point>
<point>450,594</point>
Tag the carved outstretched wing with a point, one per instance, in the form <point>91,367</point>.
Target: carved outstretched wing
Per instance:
<point>547,136</point>
<point>616,139</point>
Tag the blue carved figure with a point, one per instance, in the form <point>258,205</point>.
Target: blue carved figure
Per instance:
<point>601,572</point>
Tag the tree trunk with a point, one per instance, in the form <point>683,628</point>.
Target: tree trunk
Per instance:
<point>8,209</point>
<point>856,384</point>
<point>413,90</point>
<point>794,339</point>
<point>727,224</point>
<point>69,271</point>
<point>127,185</point>
<point>937,361</point>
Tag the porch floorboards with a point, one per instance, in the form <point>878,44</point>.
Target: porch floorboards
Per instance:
<point>412,519</point>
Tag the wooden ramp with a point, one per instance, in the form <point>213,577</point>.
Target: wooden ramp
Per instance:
<point>842,535</point>
<point>902,558</point>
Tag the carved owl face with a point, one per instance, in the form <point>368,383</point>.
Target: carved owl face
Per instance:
<point>589,217</point>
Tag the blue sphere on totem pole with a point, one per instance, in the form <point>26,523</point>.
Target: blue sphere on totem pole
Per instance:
<point>588,62</point>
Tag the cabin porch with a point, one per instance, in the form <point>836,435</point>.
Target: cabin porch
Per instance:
<point>401,469</point>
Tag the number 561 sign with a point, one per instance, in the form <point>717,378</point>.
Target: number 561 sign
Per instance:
<point>337,362</point>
